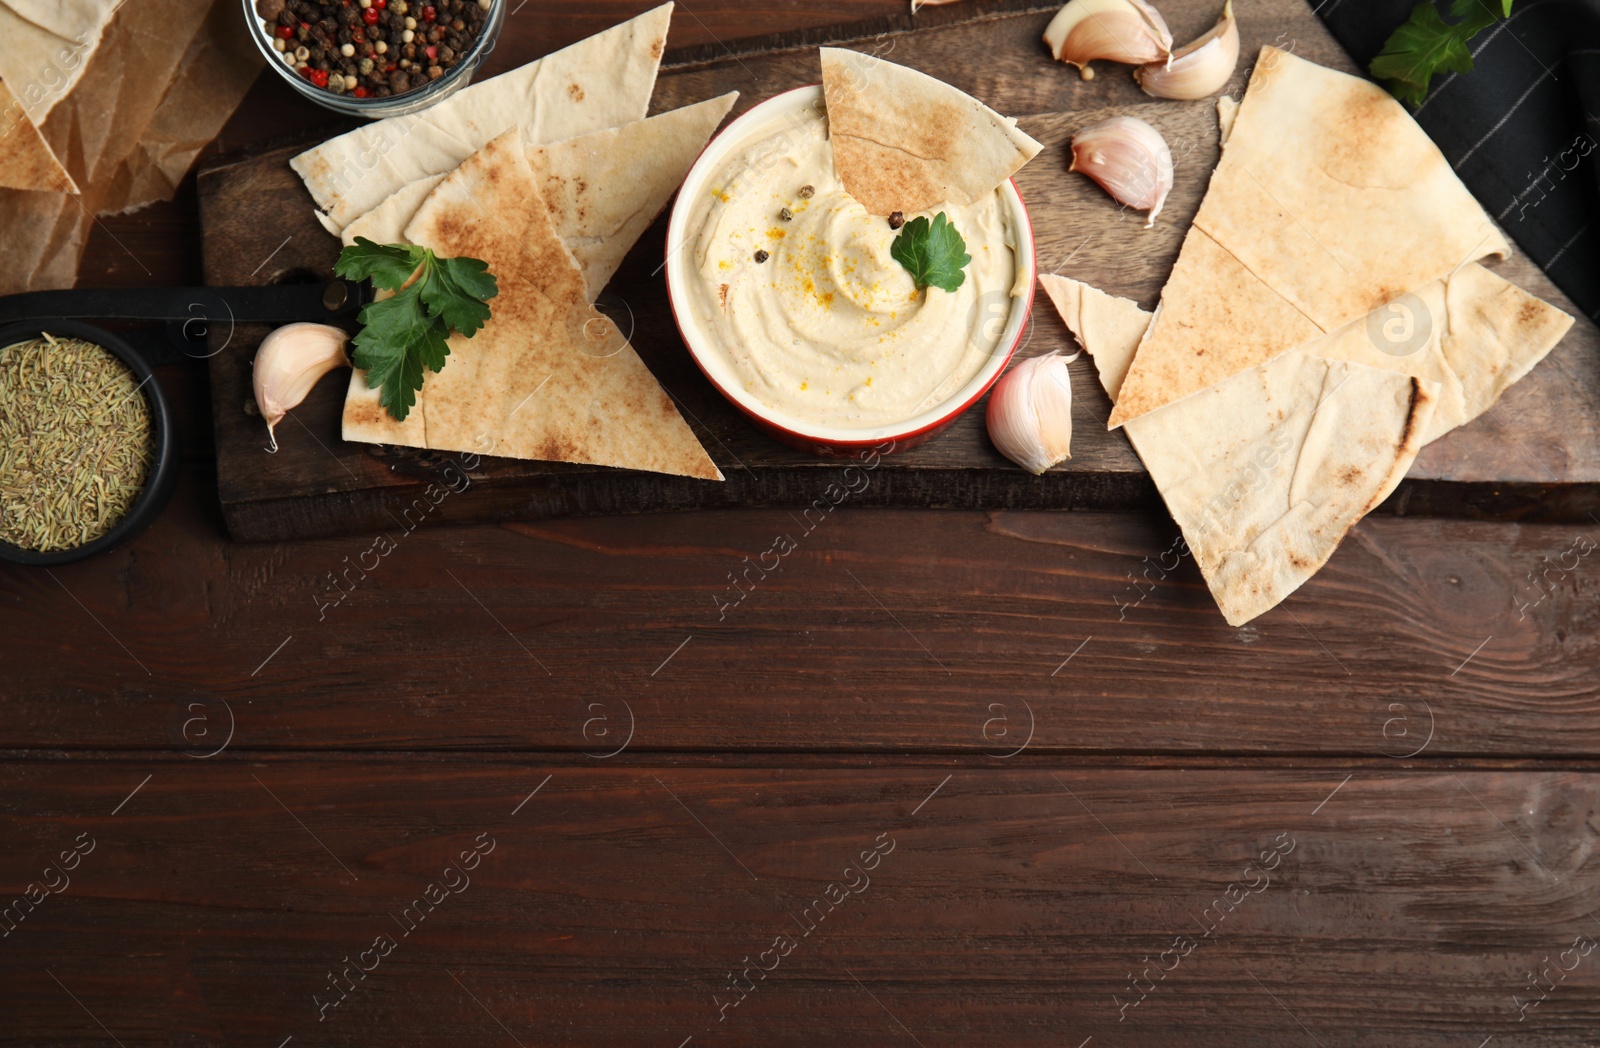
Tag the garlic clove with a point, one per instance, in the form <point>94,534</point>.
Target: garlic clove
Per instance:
<point>1128,31</point>
<point>289,363</point>
<point>1030,413</point>
<point>1198,69</point>
<point>1129,159</point>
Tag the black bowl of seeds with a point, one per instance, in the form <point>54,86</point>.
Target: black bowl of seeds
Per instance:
<point>88,455</point>
<point>375,58</point>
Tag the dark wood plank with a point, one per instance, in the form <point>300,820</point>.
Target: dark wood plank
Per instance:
<point>1401,908</point>
<point>883,632</point>
<point>1537,457</point>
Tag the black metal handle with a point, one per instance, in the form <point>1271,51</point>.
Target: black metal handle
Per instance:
<point>191,314</point>
<point>278,304</point>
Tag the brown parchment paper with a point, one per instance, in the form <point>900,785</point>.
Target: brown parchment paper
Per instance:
<point>164,78</point>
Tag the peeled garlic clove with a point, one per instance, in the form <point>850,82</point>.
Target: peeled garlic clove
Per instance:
<point>1129,159</point>
<point>1030,413</point>
<point>289,363</point>
<point>1128,31</point>
<point>1197,69</point>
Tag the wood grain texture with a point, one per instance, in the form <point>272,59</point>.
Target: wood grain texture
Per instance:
<point>883,632</point>
<point>1536,456</point>
<point>1003,908</point>
<point>793,732</point>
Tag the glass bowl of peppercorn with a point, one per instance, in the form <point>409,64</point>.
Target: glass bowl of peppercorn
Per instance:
<point>375,58</point>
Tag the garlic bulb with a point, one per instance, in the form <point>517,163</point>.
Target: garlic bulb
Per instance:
<point>1129,159</point>
<point>1128,31</point>
<point>1198,69</point>
<point>289,363</point>
<point>1030,413</point>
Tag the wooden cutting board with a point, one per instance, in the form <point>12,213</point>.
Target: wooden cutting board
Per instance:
<point>1535,456</point>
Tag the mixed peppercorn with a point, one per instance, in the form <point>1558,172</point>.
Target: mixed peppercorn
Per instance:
<point>372,48</point>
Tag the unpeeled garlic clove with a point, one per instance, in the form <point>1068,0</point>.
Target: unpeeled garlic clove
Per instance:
<point>289,363</point>
<point>1129,159</point>
<point>1030,413</point>
<point>1129,31</point>
<point>1198,69</point>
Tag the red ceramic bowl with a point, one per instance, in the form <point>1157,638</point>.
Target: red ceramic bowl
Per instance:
<point>760,122</point>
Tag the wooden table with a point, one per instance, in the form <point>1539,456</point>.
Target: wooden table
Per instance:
<point>932,783</point>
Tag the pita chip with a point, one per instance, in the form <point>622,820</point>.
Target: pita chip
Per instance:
<point>1266,471</point>
<point>904,141</point>
<point>603,189</point>
<point>26,160</point>
<point>386,223</point>
<point>1474,333</point>
<point>596,83</point>
<point>1227,110</point>
<point>547,377</point>
<point>1115,324</point>
<point>1328,202</point>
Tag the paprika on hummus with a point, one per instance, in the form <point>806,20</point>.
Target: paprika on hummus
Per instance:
<point>816,318</point>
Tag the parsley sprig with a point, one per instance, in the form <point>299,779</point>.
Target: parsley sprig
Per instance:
<point>408,331</point>
<point>935,254</point>
<point>1427,44</point>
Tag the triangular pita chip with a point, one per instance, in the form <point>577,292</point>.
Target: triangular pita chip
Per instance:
<point>603,189</point>
<point>596,83</point>
<point>1266,471</point>
<point>26,160</point>
<point>386,223</point>
<point>1329,201</point>
<point>903,141</point>
<point>1227,110</point>
<point>547,377</point>
<point>1473,333</point>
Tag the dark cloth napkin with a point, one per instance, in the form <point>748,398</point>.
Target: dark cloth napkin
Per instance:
<point>1521,129</point>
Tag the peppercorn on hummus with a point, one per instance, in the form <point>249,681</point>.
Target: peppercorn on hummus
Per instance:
<point>818,321</point>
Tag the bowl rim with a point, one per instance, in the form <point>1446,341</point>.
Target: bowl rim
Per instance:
<point>413,101</point>
<point>852,438</point>
<point>163,468</point>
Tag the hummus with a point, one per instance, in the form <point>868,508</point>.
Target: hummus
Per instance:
<point>828,328</point>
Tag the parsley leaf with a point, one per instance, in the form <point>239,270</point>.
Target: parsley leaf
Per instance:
<point>1426,44</point>
<point>410,330</point>
<point>935,255</point>
<point>388,267</point>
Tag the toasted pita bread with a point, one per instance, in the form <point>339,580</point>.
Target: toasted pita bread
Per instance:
<point>603,189</point>
<point>596,83</point>
<point>1227,110</point>
<point>26,160</point>
<point>1473,333</point>
<point>386,223</point>
<point>1329,201</point>
<point>903,141</point>
<point>548,377</point>
<point>1266,471</point>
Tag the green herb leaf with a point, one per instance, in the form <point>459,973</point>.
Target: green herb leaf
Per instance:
<point>387,267</point>
<point>458,292</point>
<point>1426,44</point>
<point>410,330</point>
<point>934,255</point>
